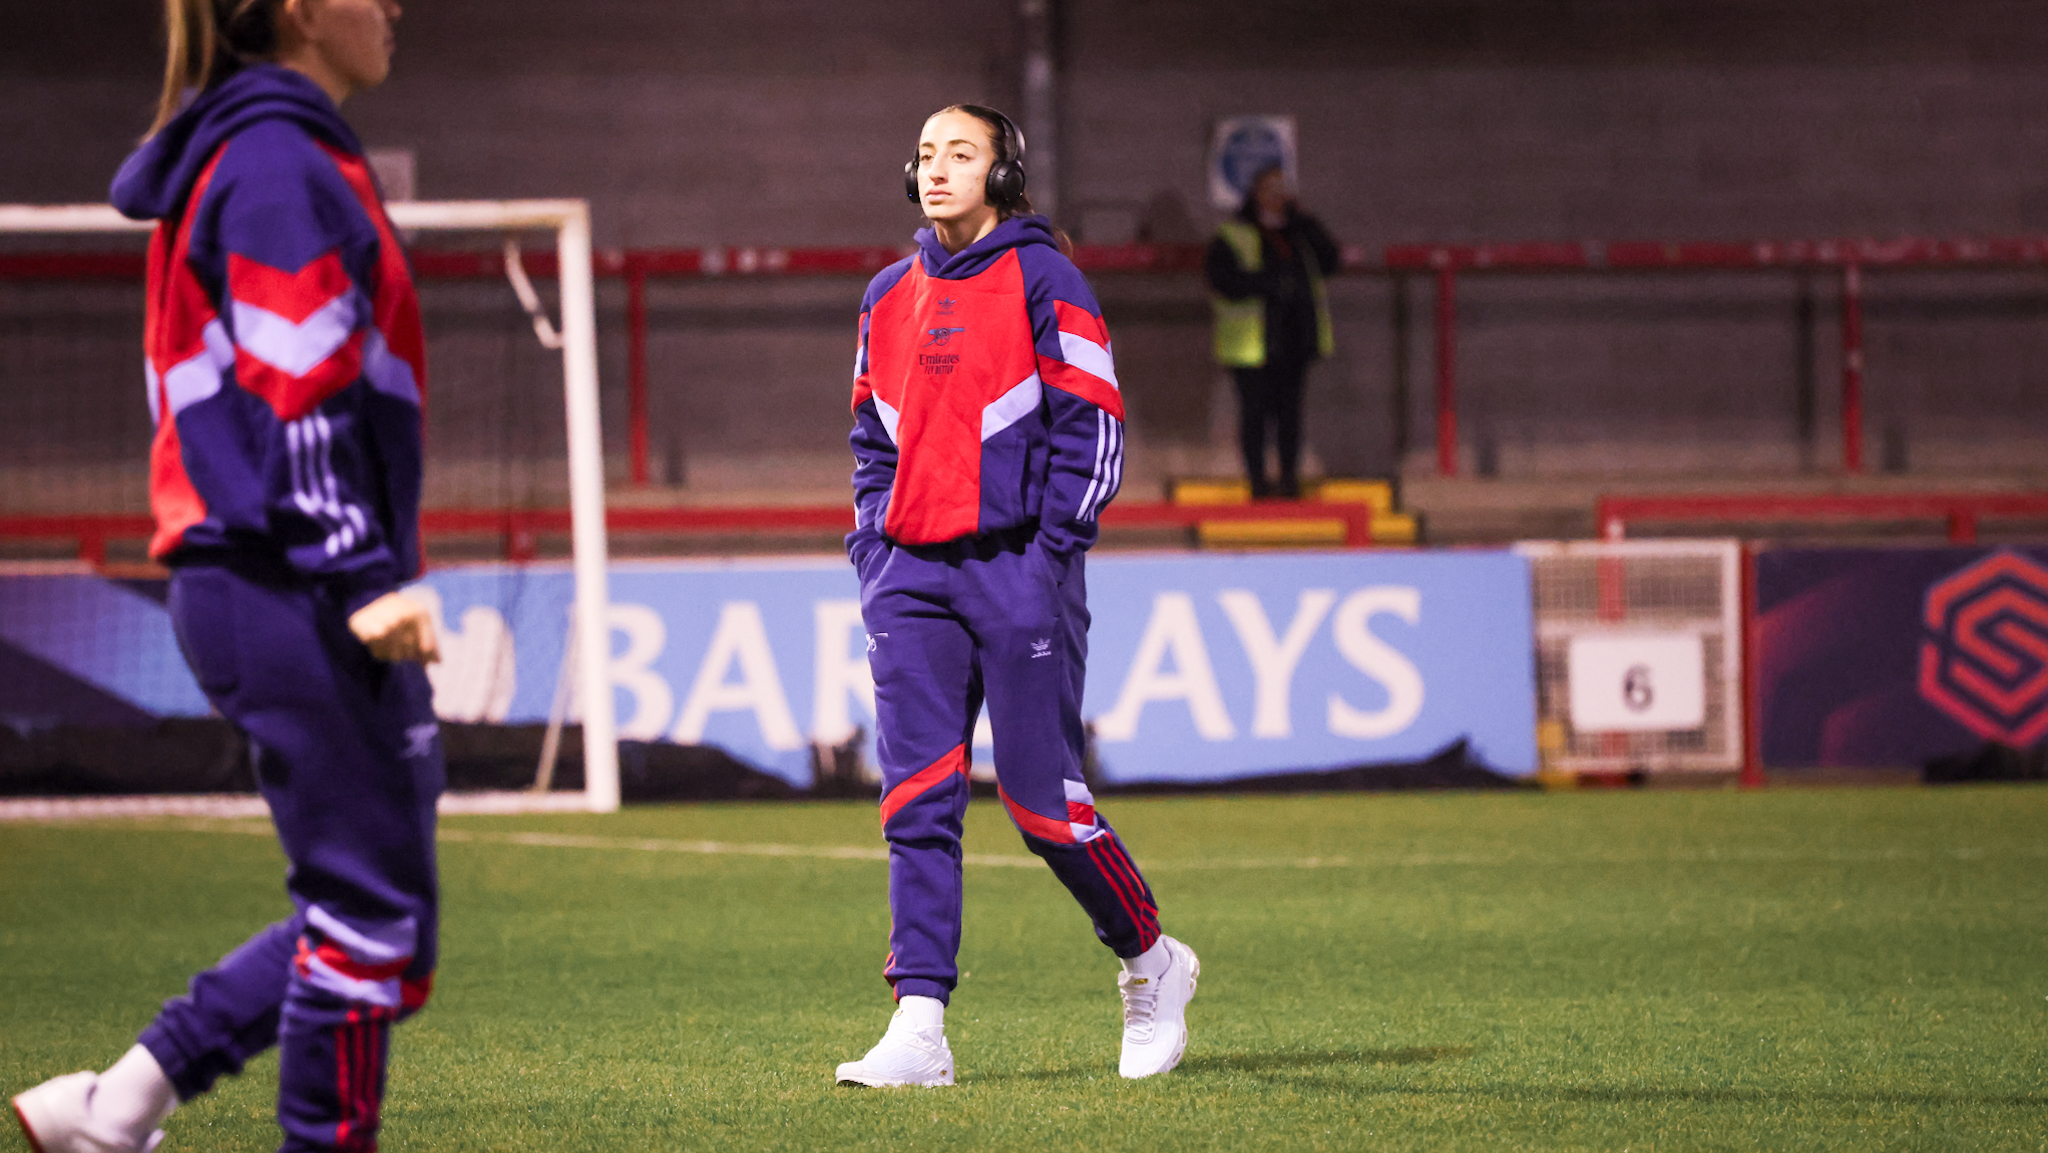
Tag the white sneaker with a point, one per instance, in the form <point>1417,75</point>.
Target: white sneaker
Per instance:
<point>902,1057</point>
<point>56,1117</point>
<point>1156,1013</point>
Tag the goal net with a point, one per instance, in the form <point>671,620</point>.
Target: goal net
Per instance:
<point>1638,654</point>
<point>507,294</point>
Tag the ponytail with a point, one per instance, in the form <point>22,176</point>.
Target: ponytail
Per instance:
<point>207,40</point>
<point>1022,207</point>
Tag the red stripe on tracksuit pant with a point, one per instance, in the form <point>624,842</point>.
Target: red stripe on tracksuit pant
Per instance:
<point>993,617</point>
<point>1134,904</point>
<point>953,764</point>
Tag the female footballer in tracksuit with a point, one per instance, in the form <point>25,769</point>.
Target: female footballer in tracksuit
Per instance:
<point>285,367</point>
<point>988,436</point>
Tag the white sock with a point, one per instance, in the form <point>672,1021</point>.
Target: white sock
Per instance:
<point>134,1097</point>
<point>919,1014</point>
<point>1150,963</point>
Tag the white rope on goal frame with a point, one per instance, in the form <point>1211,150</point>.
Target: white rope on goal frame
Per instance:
<point>569,220</point>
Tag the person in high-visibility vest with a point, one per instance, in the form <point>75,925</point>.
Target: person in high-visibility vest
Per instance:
<point>1266,267</point>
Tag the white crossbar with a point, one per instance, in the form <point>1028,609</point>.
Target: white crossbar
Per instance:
<point>441,215</point>
<point>569,220</point>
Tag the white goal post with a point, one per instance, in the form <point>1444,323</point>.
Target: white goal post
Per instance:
<point>569,220</point>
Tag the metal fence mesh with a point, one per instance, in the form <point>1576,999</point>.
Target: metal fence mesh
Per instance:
<point>1599,588</point>
<point>75,425</point>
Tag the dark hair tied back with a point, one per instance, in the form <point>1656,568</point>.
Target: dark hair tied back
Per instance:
<point>248,27</point>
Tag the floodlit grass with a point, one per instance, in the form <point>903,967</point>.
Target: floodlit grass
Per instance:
<point>1715,970</point>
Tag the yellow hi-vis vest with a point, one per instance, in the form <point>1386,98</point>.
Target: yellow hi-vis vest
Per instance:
<point>1241,324</point>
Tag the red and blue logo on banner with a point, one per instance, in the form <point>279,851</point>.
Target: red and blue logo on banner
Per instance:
<point>1985,659</point>
<point>1896,657</point>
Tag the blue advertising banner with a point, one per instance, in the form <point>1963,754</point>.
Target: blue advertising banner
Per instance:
<point>1202,668</point>
<point>80,649</point>
<point>1212,668</point>
<point>1890,657</point>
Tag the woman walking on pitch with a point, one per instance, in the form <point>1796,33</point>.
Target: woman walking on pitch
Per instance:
<point>988,436</point>
<point>285,363</point>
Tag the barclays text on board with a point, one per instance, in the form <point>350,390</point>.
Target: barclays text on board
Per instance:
<point>1202,668</point>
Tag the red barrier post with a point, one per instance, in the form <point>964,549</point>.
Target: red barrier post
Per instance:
<point>1357,526</point>
<point>522,543</point>
<point>1962,526</point>
<point>1612,575</point>
<point>1446,370</point>
<point>636,366</point>
<point>1852,368</point>
<point>1752,692</point>
<point>1612,526</point>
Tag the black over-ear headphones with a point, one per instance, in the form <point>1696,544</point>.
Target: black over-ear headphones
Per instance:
<point>1005,184</point>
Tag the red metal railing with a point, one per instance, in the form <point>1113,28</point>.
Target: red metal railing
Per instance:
<point>1847,257</point>
<point>1447,262</point>
<point>635,267</point>
<point>91,532</point>
<point>1960,512</point>
<point>520,529</point>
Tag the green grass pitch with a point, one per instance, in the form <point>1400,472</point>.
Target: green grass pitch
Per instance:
<point>1836,969</point>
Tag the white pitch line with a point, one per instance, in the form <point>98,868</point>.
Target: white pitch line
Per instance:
<point>236,824</point>
<point>710,848</point>
<point>1411,861</point>
<point>198,805</point>
<point>219,806</point>
<point>199,817</point>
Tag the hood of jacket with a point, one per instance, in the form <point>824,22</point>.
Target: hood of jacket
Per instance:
<point>155,179</point>
<point>1016,232</point>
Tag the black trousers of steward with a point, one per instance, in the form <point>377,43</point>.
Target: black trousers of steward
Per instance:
<point>1270,396</point>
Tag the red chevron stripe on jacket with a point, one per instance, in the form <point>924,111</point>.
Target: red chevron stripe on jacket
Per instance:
<point>284,352</point>
<point>985,396</point>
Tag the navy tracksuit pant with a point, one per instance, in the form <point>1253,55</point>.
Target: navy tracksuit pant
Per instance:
<point>992,616</point>
<point>348,759</point>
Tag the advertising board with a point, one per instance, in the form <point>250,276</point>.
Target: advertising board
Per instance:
<point>1893,657</point>
<point>1202,668</point>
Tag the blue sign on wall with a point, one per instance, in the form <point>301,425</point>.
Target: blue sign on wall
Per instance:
<point>1201,668</point>
<point>1241,148</point>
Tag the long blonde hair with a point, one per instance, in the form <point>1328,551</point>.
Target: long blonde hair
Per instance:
<point>208,39</point>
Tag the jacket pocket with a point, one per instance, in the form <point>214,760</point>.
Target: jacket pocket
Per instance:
<point>868,558</point>
<point>202,604</point>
